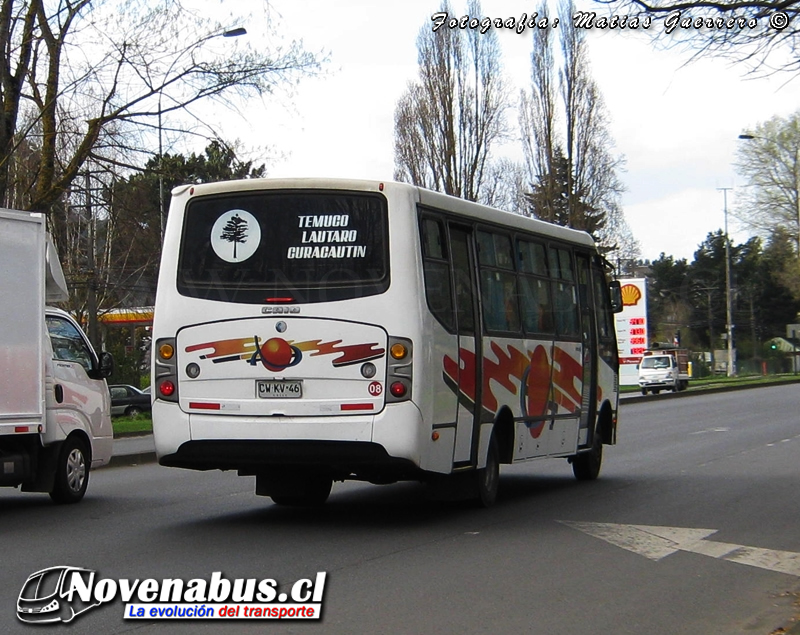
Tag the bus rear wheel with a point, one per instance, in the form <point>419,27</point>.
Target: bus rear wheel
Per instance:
<point>586,465</point>
<point>487,480</point>
<point>307,492</point>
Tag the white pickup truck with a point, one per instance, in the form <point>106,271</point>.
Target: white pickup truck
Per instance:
<point>664,369</point>
<point>55,422</point>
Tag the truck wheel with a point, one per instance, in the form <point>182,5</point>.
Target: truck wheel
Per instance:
<point>72,472</point>
<point>586,465</point>
<point>644,391</point>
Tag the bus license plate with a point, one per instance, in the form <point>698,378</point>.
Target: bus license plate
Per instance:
<point>279,389</point>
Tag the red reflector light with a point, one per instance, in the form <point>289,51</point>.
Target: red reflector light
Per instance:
<point>356,406</point>
<point>204,406</point>
<point>166,388</point>
<point>398,389</point>
<point>280,299</point>
<point>21,429</point>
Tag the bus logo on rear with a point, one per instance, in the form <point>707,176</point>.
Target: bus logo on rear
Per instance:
<point>276,354</point>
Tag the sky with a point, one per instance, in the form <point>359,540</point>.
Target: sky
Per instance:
<point>675,123</point>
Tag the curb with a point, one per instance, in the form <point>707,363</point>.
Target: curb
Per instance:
<point>637,398</point>
<point>129,460</point>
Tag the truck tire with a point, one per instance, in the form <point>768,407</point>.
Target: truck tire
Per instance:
<point>72,472</point>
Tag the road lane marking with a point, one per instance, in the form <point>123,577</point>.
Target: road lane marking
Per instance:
<point>656,543</point>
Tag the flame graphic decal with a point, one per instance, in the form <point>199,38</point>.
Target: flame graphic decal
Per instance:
<point>276,354</point>
<point>527,375</point>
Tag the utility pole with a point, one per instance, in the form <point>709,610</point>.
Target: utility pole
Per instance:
<point>91,291</point>
<point>728,293</point>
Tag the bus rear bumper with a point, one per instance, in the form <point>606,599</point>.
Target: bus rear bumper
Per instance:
<point>340,460</point>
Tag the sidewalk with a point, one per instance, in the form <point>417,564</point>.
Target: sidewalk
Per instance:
<point>133,450</point>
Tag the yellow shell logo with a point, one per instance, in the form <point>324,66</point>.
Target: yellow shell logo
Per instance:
<point>630,295</point>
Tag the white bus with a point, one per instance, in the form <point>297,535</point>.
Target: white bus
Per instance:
<point>314,330</point>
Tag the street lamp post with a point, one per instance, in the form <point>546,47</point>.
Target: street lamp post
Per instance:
<point>750,137</point>
<point>728,293</point>
<point>230,33</point>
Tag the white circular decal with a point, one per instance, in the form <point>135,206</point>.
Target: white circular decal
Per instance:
<point>236,235</point>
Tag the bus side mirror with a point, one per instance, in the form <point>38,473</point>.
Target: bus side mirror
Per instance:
<point>615,289</point>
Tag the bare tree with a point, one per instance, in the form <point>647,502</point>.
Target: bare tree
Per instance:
<point>538,120</point>
<point>448,120</point>
<point>573,176</point>
<point>754,32</point>
<point>769,160</point>
<point>504,186</point>
<point>79,76</point>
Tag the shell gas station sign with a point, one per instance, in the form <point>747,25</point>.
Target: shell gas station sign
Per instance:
<point>631,326</point>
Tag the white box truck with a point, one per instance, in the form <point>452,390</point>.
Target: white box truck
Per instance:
<point>55,422</point>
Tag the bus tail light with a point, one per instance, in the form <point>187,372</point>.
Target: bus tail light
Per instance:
<point>166,370</point>
<point>166,388</point>
<point>398,389</point>
<point>400,370</point>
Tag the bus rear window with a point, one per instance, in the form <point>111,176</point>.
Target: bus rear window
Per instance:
<point>278,246</point>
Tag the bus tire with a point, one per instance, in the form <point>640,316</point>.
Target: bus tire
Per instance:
<point>487,480</point>
<point>310,492</point>
<point>72,472</point>
<point>586,465</point>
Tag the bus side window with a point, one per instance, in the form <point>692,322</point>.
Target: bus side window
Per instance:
<point>565,300</point>
<point>534,287</point>
<point>605,322</point>
<point>498,282</point>
<point>537,310</point>
<point>436,268</point>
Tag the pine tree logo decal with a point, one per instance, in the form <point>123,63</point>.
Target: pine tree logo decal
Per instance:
<point>235,231</point>
<point>235,235</point>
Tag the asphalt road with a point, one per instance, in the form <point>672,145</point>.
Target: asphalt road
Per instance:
<point>553,556</point>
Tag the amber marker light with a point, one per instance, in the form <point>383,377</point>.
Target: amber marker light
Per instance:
<point>166,351</point>
<point>398,351</point>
